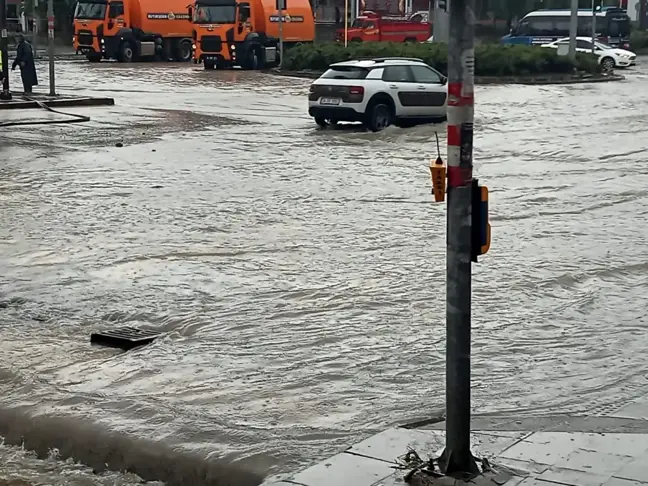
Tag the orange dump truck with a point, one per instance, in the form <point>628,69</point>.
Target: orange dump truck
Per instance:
<point>130,30</point>
<point>246,33</point>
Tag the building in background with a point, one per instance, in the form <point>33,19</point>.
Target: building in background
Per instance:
<point>15,17</point>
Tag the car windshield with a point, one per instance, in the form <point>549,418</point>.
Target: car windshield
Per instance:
<point>215,14</point>
<point>346,72</point>
<point>90,11</point>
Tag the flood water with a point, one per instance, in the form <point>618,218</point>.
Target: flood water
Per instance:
<point>299,274</point>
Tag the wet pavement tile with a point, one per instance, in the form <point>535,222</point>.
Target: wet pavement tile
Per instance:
<point>637,410</point>
<point>541,453</point>
<point>622,482</point>
<point>394,442</point>
<point>594,462</point>
<point>637,470</point>
<point>345,470</point>
<point>622,444</point>
<point>573,477</point>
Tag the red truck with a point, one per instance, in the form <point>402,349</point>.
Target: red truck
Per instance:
<point>371,27</point>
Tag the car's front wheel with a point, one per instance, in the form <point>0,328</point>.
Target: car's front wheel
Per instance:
<point>379,116</point>
<point>321,121</point>
<point>608,63</point>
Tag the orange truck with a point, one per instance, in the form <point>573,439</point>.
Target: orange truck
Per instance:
<point>132,30</point>
<point>245,33</point>
<point>371,27</point>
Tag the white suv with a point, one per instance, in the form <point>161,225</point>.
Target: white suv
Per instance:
<point>379,92</point>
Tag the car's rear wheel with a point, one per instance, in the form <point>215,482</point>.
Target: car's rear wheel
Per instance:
<point>608,63</point>
<point>379,116</point>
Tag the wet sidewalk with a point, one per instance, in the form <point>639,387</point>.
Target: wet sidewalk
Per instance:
<point>41,100</point>
<point>566,450</point>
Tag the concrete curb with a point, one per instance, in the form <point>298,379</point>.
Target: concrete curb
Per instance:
<point>492,80</point>
<point>56,103</point>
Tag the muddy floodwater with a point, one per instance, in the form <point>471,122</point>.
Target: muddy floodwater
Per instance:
<point>299,274</point>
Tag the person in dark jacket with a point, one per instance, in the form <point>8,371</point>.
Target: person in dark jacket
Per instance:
<point>25,59</point>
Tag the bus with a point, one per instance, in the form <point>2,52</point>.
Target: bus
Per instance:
<point>544,26</point>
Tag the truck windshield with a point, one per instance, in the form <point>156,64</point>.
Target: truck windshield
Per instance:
<point>215,14</point>
<point>90,11</point>
<point>362,24</point>
<point>619,26</point>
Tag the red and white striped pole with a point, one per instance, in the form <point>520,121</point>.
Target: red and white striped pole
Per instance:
<point>457,457</point>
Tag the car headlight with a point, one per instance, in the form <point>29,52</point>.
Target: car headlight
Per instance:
<point>193,46</point>
<point>103,41</point>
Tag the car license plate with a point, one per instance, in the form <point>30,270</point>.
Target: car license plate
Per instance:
<point>330,101</point>
<point>211,58</point>
<point>85,50</point>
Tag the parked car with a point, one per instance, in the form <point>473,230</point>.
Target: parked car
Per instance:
<point>609,57</point>
<point>379,92</point>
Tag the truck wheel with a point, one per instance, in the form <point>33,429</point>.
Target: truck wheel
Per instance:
<point>253,60</point>
<point>183,51</point>
<point>126,53</point>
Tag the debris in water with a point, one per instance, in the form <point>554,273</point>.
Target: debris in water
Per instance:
<point>124,338</point>
<point>119,144</point>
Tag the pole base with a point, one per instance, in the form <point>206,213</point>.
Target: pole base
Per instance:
<point>6,96</point>
<point>453,464</point>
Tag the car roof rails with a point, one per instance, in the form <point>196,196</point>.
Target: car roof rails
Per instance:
<point>383,59</point>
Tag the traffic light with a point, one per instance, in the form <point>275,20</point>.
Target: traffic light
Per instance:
<point>480,227</point>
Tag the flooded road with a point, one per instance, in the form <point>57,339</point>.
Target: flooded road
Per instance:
<point>299,273</point>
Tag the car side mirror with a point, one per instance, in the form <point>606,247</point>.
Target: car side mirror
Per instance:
<point>444,80</point>
<point>190,12</point>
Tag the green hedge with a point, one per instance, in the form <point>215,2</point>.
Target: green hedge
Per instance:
<point>639,40</point>
<point>490,59</point>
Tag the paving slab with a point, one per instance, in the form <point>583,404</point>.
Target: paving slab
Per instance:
<point>637,409</point>
<point>540,457</point>
<point>637,470</point>
<point>344,469</point>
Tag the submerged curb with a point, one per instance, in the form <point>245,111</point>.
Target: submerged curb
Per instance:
<point>491,80</point>
<point>54,102</point>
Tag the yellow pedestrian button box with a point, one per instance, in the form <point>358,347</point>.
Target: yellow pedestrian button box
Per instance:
<point>481,228</point>
<point>438,173</point>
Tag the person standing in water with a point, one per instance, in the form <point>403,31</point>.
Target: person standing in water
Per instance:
<point>25,59</point>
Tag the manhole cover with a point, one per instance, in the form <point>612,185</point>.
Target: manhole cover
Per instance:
<point>124,337</point>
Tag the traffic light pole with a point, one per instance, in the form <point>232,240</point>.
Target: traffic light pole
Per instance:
<point>50,46</point>
<point>280,10</point>
<point>573,28</point>
<point>4,49</point>
<point>441,21</point>
<point>457,457</point>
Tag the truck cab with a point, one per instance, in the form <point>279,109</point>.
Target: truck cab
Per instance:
<point>129,30</point>
<point>246,33</point>
<point>89,28</point>
<point>371,27</point>
<point>225,35</point>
